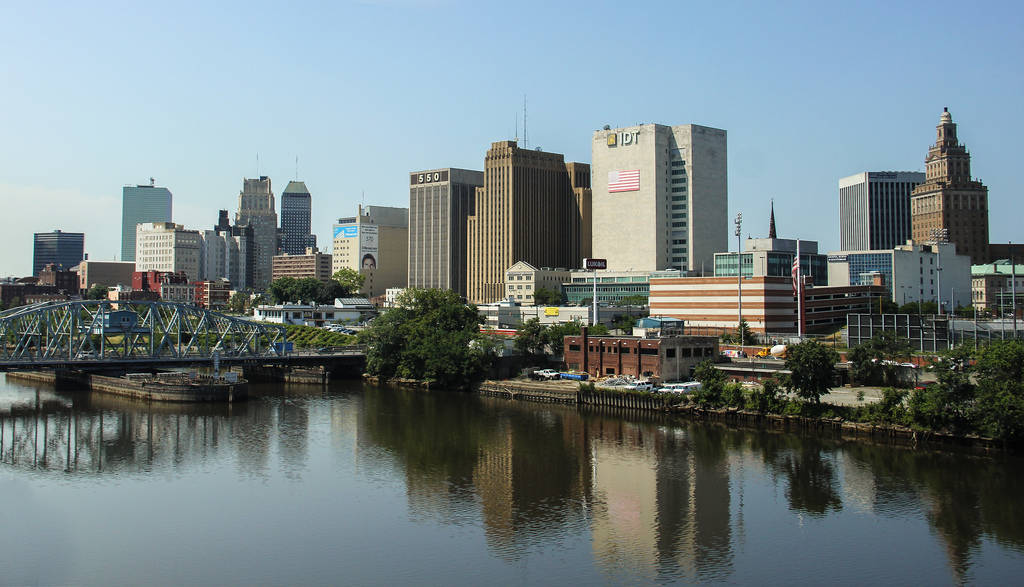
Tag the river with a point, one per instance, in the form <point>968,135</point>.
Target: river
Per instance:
<point>362,485</point>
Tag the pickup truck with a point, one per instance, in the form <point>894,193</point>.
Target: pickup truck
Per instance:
<point>546,375</point>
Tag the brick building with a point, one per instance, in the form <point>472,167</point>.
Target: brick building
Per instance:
<point>668,359</point>
<point>212,294</point>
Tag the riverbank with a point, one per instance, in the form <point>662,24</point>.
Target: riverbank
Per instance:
<point>570,392</point>
<point>163,387</point>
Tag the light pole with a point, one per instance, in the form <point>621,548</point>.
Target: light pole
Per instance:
<point>939,236</point>
<point>739,277</point>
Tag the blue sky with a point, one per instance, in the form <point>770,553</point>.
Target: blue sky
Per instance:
<point>94,96</point>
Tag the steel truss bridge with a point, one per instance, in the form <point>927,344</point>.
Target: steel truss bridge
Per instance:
<point>98,333</point>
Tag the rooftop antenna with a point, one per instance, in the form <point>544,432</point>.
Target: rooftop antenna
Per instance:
<point>517,128</point>
<point>525,136</point>
<point>296,168</point>
<point>257,165</point>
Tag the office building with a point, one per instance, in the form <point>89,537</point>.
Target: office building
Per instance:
<point>63,280</point>
<point>527,210</point>
<point>105,273</point>
<point>63,249</point>
<point>212,294</point>
<point>911,272</point>
<point>669,358</point>
<point>522,281</point>
<point>440,201</point>
<point>874,209</point>
<point>994,286</point>
<point>167,247</point>
<point>141,204</point>
<point>227,253</point>
<point>312,263</point>
<point>256,208</point>
<point>949,200</point>
<point>773,257</point>
<point>375,242</point>
<point>709,304</point>
<point>296,215</point>
<point>660,197</point>
<point>612,286</point>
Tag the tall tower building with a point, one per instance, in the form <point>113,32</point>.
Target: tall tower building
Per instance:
<point>661,196</point>
<point>527,210</point>
<point>874,209</point>
<point>440,202</point>
<point>296,216</point>
<point>141,204</point>
<point>949,199</point>
<point>256,208</point>
<point>64,249</point>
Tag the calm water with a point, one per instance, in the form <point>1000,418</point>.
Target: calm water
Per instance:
<point>361,485</point>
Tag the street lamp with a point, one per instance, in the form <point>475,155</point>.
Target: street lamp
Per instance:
<point>739,277</point>
<point>939,236</point>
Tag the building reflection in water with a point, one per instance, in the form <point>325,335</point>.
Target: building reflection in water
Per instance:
<point>661,499</point>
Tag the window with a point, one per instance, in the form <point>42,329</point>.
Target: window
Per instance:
<point>670,353</point>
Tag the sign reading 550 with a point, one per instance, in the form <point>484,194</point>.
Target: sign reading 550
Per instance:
<point>428,177</point>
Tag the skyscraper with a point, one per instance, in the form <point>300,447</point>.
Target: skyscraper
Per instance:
<point>874,209</point>
<point>660,196</point>
<point>141,204</point>
<point>64,249</point>
<point>256,208</point>
<point>949,199</point>
<point>296,216</point>
<point>440,201</point>
<point>527,210</point>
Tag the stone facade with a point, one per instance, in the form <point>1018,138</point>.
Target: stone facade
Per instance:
<point>527,210</point>
<point>949,199</point>
<point>256,208</point>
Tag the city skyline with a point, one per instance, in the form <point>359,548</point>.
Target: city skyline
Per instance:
<point>796,107</point>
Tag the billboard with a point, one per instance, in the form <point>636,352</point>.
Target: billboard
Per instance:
<point>589,264</point>
<point>550,311</point>
<point>368,247</point>
<point>346,230</point>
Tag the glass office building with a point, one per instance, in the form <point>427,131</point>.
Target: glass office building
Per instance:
<point>141,204</point>
<point>64,249</point>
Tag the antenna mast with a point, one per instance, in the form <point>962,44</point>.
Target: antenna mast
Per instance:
<point>525,136</point>
<point>296,168</point>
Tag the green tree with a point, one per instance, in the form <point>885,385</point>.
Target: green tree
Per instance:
<point>530,338</point>
<point>239,302</point>
<point>812,369</point>
<point>96,292</point>
<point>888,307</point>
<point>877,361</point>
<point>712,384</point>
<point>633,300</point>
<point>743,334</point>
<point>544,296</point>
<point>624,322</point>
<point>282,289</point>
<point>349,279</point>
<point>432,335</point>
<point>1000,390</point>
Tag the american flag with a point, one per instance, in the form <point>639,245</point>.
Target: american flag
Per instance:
<point>624,181</point>
<point>796,275</point>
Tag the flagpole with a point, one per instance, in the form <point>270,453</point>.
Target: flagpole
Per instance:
<point>799,293</point>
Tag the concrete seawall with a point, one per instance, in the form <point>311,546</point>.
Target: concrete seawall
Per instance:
<point>152,390</point>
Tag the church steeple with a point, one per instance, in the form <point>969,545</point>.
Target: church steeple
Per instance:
<point>771,222</point>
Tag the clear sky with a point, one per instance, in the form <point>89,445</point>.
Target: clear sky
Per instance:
<point>94,96</point>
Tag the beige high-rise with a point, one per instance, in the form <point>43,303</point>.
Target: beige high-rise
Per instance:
<point>949,199</point>
<point>533,207</point>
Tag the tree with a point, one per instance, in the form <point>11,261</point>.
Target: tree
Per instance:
<point>305,289</point>
<point>633,300</point>
<point>96,292</point>
<point>623,322</point>
<point>238,303</point>
<point>432,335</point>
<point>812,369</point>
<point>887,307</point>
<point>743,334</point>
<point>349,279</point>
<point>877,361</point>
<point>281,289</point>
<point>547,297</point>
<point>712,384</point>
<point>530,339</point>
